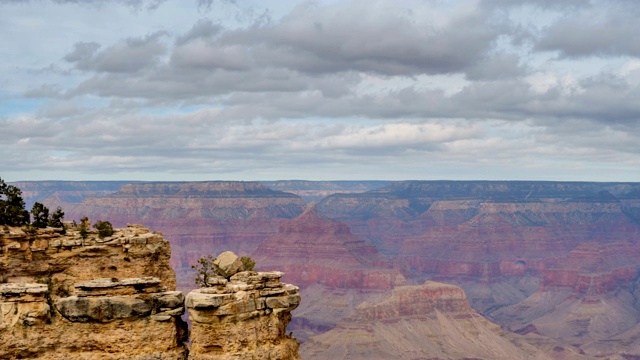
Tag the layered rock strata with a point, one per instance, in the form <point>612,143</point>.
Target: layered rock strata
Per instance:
<point>85,297</point>
<point>429,321</point>
<point>314,249</point>
<point>243,317</point>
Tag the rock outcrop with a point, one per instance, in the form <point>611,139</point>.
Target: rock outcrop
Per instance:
<point>243,317</point>
<point>69,297</point>
<point>78,296</point>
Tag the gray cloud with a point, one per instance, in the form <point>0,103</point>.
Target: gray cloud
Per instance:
<point>130,55</point>
<point>607,30</point>
<point>465,87</point>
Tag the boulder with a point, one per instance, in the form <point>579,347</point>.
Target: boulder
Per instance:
<point>229,263</point>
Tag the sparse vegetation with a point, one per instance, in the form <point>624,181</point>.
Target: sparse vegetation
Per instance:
<point>55,220</point>
<point>13,212</point>
<point>84,227</point>
<point>205,268</point>
<point>104,228</point>
<point>248,263</point>
<point>30,230</point>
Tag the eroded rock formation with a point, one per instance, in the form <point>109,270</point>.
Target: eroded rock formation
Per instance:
<point>79,296</point>
<point>429,321</point>
<point>244,316</point>
<point>69,297</point>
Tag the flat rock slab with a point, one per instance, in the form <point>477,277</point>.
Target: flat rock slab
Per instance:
<point>22,288</point>
<point>105,283</point>
<point>103,309</point>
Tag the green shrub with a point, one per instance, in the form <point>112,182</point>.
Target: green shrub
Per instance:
<point>104,228</point>
<point>248,263</point>
<point>205,268</point>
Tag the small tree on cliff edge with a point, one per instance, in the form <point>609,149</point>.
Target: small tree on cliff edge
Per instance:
<point>40,215</point>
<point>205,269</point>
<point>55,220</point>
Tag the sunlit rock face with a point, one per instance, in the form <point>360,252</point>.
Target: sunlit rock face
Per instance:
<point>243,317</point>
<point>68,297</point>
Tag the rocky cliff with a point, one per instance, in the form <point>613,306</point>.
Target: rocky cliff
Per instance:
<point>69,297</point>
<point>75,295</point>
<point>243,317</point>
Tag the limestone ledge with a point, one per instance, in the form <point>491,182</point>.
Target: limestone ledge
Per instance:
<point>247,294</point>
<point>23,304</point>
<point>20,290</point>
<point>51,239</point>
<point>160,307</point>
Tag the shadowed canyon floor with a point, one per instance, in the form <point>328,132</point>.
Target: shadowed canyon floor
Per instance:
<point>556,262</point>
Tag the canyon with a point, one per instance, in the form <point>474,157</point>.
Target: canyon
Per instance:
<point>553,262</point>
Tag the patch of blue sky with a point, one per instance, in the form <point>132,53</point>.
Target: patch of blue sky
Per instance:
<point>12,106</point>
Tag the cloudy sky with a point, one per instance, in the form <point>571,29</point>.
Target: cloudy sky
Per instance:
<point>265,90</point>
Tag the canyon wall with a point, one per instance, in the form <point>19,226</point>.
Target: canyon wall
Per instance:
<point>428,321</point>
<point>63,296</point>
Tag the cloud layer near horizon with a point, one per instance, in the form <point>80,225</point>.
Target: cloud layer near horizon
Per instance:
<point>174,90</point>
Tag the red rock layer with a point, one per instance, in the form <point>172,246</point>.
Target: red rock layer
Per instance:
<point>314,249</point>
<point>594,268</point>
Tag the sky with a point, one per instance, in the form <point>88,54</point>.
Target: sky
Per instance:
<point>165,90</point>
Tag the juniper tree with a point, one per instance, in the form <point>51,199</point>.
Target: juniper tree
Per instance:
<point>40,215</point>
